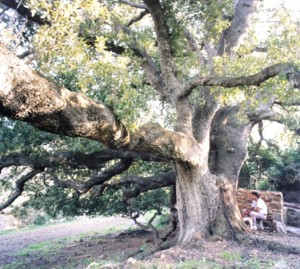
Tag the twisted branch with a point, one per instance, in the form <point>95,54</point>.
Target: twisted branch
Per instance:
<point>20,184</point>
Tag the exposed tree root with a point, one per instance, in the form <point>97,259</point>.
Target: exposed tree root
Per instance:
<point>275,246</point>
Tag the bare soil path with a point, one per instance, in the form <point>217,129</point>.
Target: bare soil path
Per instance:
<point>99,241</point>
<point>11,243</point>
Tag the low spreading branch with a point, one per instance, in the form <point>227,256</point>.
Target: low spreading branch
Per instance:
<point>132,186</point>
<point>20,184</point>
<point>81,188</point>
<point>94,160</point>
<point>95,180</point>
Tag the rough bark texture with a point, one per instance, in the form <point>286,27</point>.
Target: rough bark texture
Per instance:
<point>202,195</point>
<point>229,140</point>
<point>197,200</point>
<point>26,95</point>
<point>233,36</point>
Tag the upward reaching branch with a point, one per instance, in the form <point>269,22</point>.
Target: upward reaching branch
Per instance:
<point>164,43</point>
<point>233,35</point>
<point>20,184</point>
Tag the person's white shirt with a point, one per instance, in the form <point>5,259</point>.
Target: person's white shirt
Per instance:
<point>261,205</point>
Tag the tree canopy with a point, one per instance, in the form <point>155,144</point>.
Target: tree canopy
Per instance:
<point>162,94</point>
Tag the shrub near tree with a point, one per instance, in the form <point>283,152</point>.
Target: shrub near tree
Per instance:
<point>176,83</point>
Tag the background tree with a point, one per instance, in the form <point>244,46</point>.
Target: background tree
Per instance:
<point>273,155</point>
<point>189,58</point>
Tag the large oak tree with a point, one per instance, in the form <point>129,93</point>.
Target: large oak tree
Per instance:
<point>193,54</point>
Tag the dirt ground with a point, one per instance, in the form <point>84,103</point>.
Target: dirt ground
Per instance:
<point>92,243</point>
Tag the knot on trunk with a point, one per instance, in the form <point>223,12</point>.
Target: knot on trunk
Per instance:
<point>223,184</point>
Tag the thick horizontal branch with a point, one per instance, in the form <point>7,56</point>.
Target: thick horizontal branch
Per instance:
<point>26,95</point>
<point>165,143</point>
<point>230,82</point>
<point>94,160</point>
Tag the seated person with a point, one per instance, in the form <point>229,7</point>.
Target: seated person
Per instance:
<point>257,211</point>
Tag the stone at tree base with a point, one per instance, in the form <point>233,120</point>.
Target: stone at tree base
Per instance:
<point>111,266</point>
<point>281,265</point>
<point>132,263</point>
<point>260,225</point>
<point>293,230</point>
<point>293,217</point>
<point>279,227</point>
<point>95,265</point>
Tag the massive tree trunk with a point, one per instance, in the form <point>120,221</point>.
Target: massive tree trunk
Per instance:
<point>206,194</point>
<point>206,206</point>
<point>197,200</point>
<point>206,198</point>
